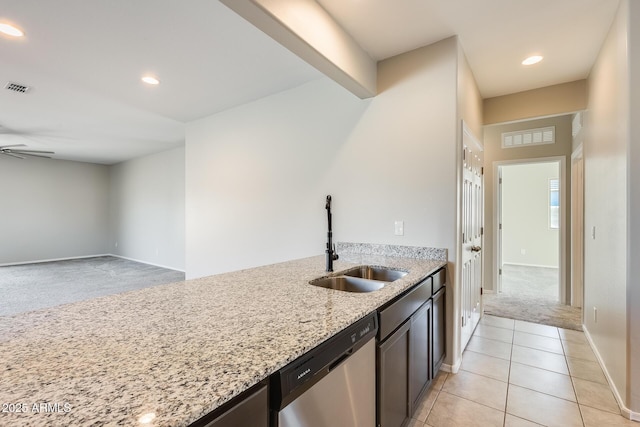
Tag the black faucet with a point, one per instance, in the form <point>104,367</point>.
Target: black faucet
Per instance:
<point>331,247</point>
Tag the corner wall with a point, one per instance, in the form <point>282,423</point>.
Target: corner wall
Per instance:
<point>52,209</point>
<point>147,209</point>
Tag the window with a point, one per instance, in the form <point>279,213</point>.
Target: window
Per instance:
<point>554,203</point>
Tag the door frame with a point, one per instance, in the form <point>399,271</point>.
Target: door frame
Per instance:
<point>577,228</point>
<point>497,206</point>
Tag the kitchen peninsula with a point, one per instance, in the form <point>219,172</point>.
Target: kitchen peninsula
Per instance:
<point>173,353</point>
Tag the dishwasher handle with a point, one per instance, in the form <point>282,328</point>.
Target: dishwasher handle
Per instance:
<point>340,359</point>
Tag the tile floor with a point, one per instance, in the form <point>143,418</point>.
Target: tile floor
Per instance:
<point>519,374</point>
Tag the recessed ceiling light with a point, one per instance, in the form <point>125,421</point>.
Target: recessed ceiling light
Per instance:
<point>150,80</point>
<point>532,60</point>
<point>10,30</point>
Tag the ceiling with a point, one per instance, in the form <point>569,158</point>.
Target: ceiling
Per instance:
<point>83,60</point>
<point>496,35</point>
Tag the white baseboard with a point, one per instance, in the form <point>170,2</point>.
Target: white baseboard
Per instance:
<point>520,264</point>
<point>626,412</point>
<point>39,261</point>
<point>488,291</point>
<point>147,262</point>
<point>451,368</point>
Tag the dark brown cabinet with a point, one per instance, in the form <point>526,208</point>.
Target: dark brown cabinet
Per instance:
<point>249,409</point>
<point>438,334</point>
<point>420,353</point>
<point>411,348</point>
<point>393,379</point>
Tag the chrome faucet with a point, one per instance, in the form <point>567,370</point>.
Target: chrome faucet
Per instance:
<point>331,247</point>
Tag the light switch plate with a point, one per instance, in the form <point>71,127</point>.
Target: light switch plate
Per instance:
<point>399,228</point>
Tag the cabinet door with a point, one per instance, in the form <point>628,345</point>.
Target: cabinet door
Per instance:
<point>438,330</point>
<point>420,353</point>
<point>393,375</point>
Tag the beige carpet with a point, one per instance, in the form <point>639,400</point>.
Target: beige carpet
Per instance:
<point>533,310</point>
<point>531,294</point>
<point>28,287</point>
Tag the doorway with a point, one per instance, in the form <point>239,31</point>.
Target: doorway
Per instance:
<point>529,230</point>
<point>531,289</point>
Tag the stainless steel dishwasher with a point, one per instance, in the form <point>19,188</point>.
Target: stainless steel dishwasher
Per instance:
<point>332,385</point>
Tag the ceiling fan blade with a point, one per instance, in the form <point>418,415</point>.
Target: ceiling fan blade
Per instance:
<point>9,146</point>
<point>32,151</point>
<point>22,153</point>
<point>12,155</point>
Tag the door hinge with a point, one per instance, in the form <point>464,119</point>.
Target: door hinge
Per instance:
<point>482,170</point>
<point>500,181</point>
<point>500,227</point>
<point>481,231</point>
<point>500,271</point>
<point>481,291</point>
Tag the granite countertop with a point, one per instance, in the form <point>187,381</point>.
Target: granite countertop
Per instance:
<point>178,351</point>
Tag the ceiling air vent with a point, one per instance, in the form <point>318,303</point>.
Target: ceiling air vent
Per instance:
<point>16,87</point>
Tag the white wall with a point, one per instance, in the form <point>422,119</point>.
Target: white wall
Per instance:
<point>606,202</point>
<point>255,190</point>
<point>525,215</point>
<point>147,209</point>
<point>257,175</point>
<point>52,209</point>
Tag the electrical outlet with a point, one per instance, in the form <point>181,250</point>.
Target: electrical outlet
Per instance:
<point>399,228</point>
<point>595,315</point>
<point>523,251</point>
<point>116,244</point>
<point>593,232</point>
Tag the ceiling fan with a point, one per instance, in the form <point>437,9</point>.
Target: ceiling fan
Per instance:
<point>11,150</point>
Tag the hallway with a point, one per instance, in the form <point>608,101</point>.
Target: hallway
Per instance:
<point>531,294</point>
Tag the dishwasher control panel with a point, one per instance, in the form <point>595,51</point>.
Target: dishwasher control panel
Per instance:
<point>290,381</point>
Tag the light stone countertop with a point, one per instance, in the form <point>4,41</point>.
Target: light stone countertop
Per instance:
<point>179,350</point>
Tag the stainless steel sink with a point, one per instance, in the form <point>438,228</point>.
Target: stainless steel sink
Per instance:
<point>348,284</point>
<point>375,273</point>
<point>365,278</point>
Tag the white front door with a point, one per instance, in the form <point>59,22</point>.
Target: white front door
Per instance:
<point>472,223</point>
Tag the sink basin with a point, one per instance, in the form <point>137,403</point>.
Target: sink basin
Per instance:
<point>375,273</point>
<point>360,279</point>
<point>348,284</point>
